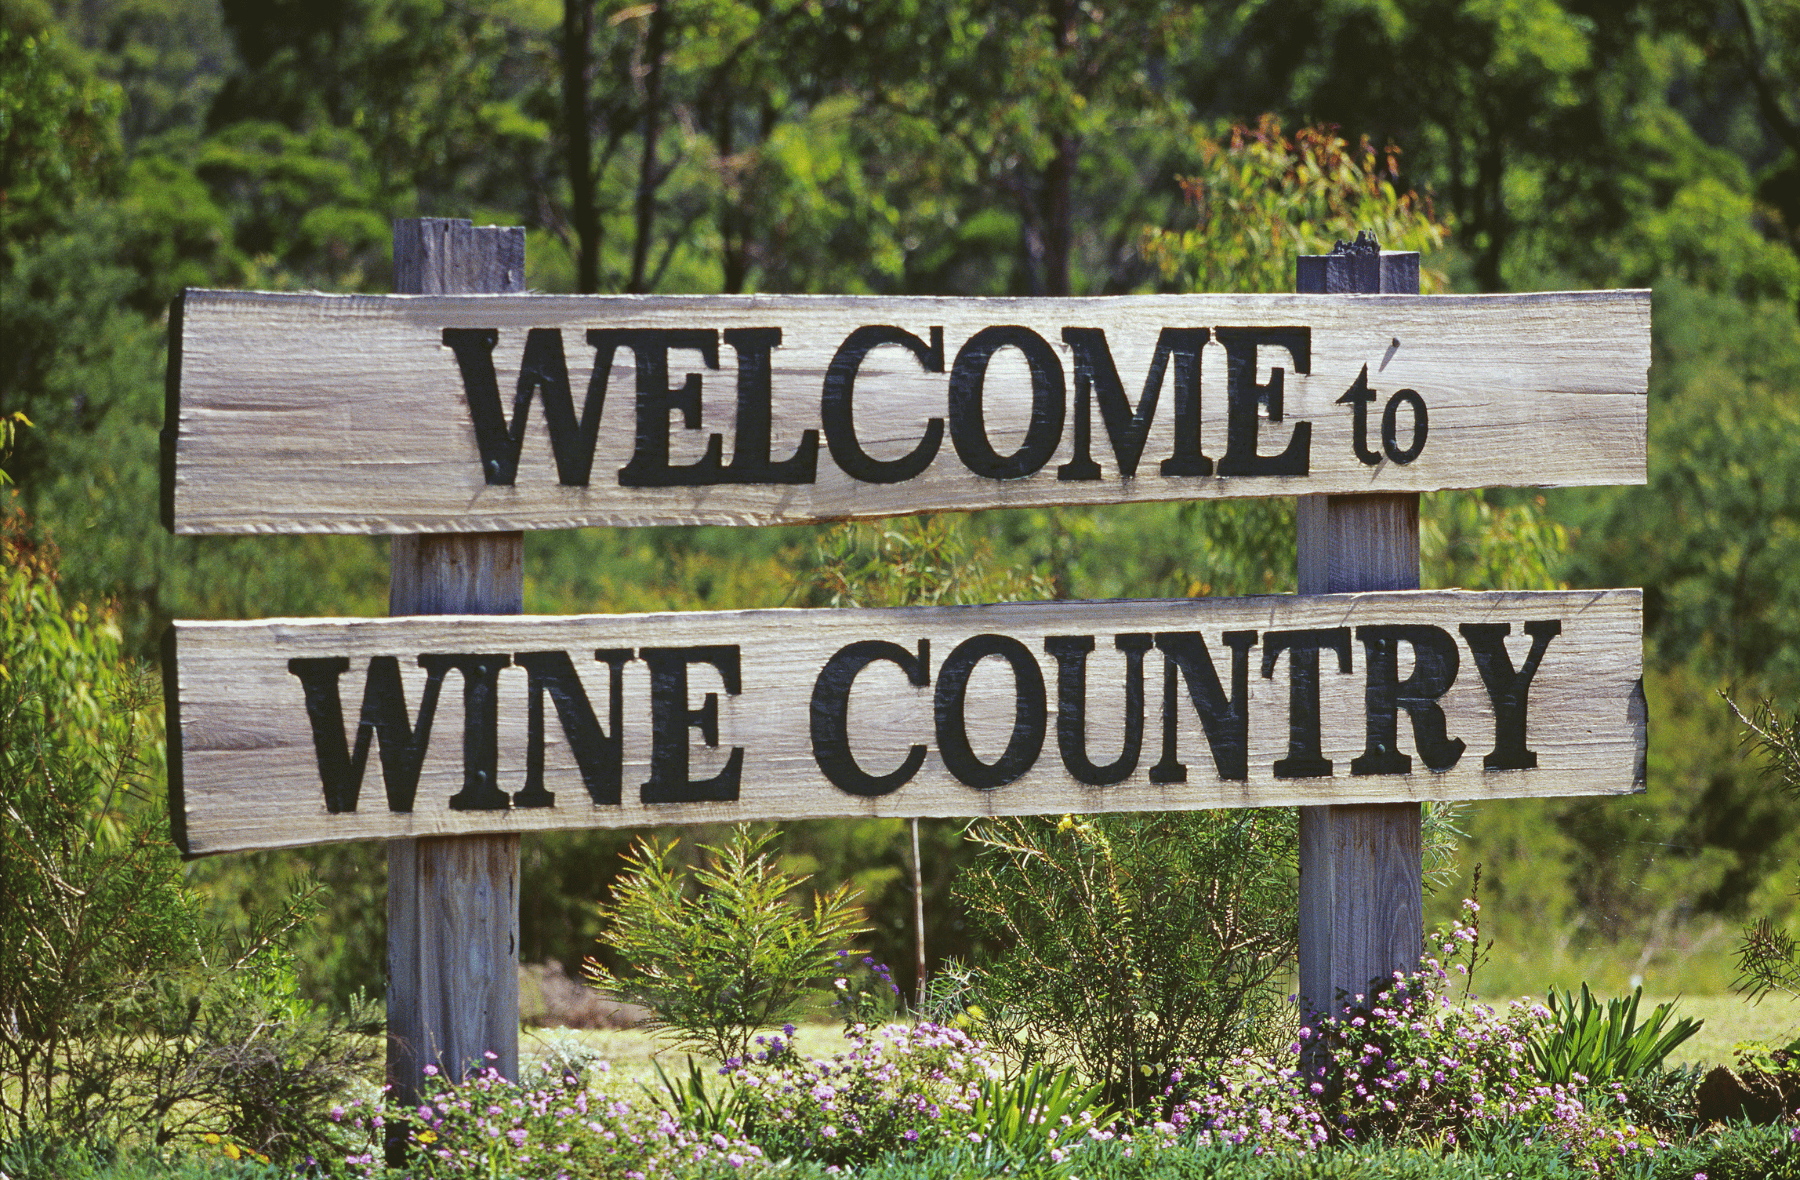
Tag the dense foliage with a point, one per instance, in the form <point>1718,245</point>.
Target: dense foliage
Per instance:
<point>125,1011</point>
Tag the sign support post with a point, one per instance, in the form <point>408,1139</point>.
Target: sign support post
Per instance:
<point>453,901</point>
<point>1361,895</point>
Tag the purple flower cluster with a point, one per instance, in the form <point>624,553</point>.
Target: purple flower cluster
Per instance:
<point>865,993</point>
<point>894,1088</point>
<point>1407,1065</point>
<point>488,1126</point>
<point>1252,1102</point>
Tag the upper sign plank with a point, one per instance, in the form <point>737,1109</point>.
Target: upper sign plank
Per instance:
<point>303,731</point>
<point>393,414</point>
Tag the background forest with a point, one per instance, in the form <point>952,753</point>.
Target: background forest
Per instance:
<point>965,147</point>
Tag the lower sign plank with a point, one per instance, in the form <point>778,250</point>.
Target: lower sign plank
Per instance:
<point>288,732</point>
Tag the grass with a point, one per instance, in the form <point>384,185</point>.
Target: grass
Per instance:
<point>1695,960</point>
<point>1728,1020</point>
<point>632,1051</point>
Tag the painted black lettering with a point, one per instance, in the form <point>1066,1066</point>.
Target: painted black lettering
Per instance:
<point>1508,690</point>
<point>1358,397</point>
<point>383,716</point>
<point>545,372</point>
<point>831,715</point>
<point>1071,652</point>
<point>670,720</point>
<point>649,465</point>
<point>750,459</point>
<point>1126,427</point>
<point>1390,426</point>
<point>1434,671</point>
<point>1227,722</point>
<point>968,425</point>
<point>598,756</point>
<point>1243,396</point>
<point>837,416</point>
<point>1305,759</point>
<point>1029,712</point>
<point>481,726</point>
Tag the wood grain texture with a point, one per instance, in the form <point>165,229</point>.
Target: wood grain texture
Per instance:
<point>251,777</point>
<point>1361,886</point>
<point>326,413</point>
<point>453,957</point>
<point>1361,909</point>
<point>453,903</point>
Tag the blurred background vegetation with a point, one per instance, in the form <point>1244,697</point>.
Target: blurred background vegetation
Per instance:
<point>970,147</point>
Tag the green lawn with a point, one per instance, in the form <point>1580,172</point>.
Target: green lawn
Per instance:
<point>1729,1020</point>
<point>1726,1021</point>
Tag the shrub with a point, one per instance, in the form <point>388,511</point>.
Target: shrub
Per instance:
<point>95,909</point>
<point>122,1013</point>
<point>1134,942</point>
<point>1767,959</point>
<point>733,956</point>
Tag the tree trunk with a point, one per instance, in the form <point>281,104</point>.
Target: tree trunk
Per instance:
<point>578,35</point>
<point>647,180</point>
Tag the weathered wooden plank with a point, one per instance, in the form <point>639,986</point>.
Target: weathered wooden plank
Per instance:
<point>321,413</point>
<point>735,715</point>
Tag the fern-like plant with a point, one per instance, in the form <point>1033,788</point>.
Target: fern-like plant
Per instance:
<point>1767,961</point>
<point>720,952</point>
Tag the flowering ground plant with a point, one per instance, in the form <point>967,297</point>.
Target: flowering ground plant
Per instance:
<point>1413,1064</point>
<point>557,1130</point>
<point>895,1089</point>
<point>1248,1101</point>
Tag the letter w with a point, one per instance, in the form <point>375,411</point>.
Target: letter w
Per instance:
<point>383,715</point>
<point>545,371</point>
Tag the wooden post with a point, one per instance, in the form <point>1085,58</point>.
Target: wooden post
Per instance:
<point>1361,898</point>
<point>453,902</point>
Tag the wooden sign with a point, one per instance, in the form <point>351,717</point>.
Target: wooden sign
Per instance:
<point>287,732</point>
<point>393,414</point>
